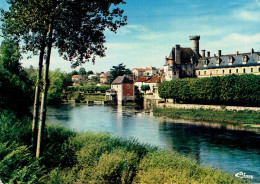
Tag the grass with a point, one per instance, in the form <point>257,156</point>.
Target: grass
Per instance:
<point>234,117</point>
<point>87,157</point>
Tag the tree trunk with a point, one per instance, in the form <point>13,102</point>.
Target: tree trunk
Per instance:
<point>44,94</point>
<point>37,99</point>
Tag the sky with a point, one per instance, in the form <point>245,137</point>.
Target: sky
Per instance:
<point>155,26</point>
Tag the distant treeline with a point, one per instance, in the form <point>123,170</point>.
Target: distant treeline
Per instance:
<point>225,90</point>
<point>88,88</point>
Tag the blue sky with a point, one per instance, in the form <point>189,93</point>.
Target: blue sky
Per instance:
<point>155,26</point>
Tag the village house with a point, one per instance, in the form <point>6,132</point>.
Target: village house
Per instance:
<point>150,71</point>
<point>153,83</point>
<point>124,89</point>
<point>104,78</point>
<point>138,72</point>
<point>139,82</point>
<point>92,76</point>
<point>76,79</point>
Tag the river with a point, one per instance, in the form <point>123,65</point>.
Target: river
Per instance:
<point>229,149</point>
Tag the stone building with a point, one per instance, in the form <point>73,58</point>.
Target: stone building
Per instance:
<point>187,62</point>
<point>239,63</point>
<point>181,62</point>
<point>124,89</point>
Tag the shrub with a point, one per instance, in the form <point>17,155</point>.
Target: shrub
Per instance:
<point>226,90</point>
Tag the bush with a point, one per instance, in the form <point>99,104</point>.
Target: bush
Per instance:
<point>226,90</point>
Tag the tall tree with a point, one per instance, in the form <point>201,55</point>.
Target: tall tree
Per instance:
<point>15,86</point>
<point>82,71</point>
<point>119,70</point>
<point>75,27</point>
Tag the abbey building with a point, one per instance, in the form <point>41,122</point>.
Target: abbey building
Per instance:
<point>188,62</point>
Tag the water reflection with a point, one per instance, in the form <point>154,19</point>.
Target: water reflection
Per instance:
<point>230,150</point>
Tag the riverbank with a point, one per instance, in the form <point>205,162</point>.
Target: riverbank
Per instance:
<point>71,157</point>
<point>242,118</point>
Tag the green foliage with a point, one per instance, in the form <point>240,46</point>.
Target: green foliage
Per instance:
<point>238,117</point>
<point>119,70</point>
<point>10,56</point>
<point>59,81</point>
<point>145,88</point>
<point>170,167</point>
<point>19,166</point>
<point>82,71</point>
<point>88,88</point>
<point>226,90</point>
<point>16,89</point>
<point>89,157</point>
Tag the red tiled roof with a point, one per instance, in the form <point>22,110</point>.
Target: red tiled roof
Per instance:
<point>75,76</point>
<point>103,75</point>
<point>155,79</point>
<point>139,69</point>
<point>151,68</point>
<point>141,79</point>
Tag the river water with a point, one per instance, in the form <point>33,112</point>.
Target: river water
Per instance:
<point>228,148</point>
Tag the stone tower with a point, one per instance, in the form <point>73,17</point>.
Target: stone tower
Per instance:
<point>195,44</point>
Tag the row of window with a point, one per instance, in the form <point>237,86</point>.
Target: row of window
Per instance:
<point>229,71</point>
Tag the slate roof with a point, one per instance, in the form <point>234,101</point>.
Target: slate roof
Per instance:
<point>122,80</point>
<point>186,55</point>
<point>238,59</point>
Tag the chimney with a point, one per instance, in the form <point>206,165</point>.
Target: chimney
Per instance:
<point>252,51</point>
<point>178,54</point>
<point>194,44</point>
<point>219,53</point>
<point>237,53</point>
<point>208,53</point>
<point>203,53</point>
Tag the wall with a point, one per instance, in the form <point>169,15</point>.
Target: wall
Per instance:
<point>234,70</point>
<point>213,107</point>
<point>128,91</point>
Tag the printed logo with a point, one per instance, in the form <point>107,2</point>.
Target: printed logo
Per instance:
<point>243,175</point>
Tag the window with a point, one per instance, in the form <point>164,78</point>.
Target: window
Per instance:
<point>230,71</point>
<point>199,72</point>
<point>244,70</point>
<point>217,71</point>
<point>236,70</point>
<point>245,59</point>
<point>174,73</point>
<point>223,71</point>
<point>231,60</point>
<point>128,86</point>
<point>258,69</point>
<point>205,72</point>
<point>252,70</point>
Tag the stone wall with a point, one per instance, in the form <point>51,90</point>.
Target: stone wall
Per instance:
<point>212,107</point>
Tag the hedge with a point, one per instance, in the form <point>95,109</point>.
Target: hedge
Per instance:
<point>89,88</point>
<point>225,90</point>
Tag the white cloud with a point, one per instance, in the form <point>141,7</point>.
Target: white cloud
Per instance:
<point>235,42</point>
<point>247,15</point>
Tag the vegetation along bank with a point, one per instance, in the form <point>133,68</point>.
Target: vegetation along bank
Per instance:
<point>245,118</point>
<point>71,157</point>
